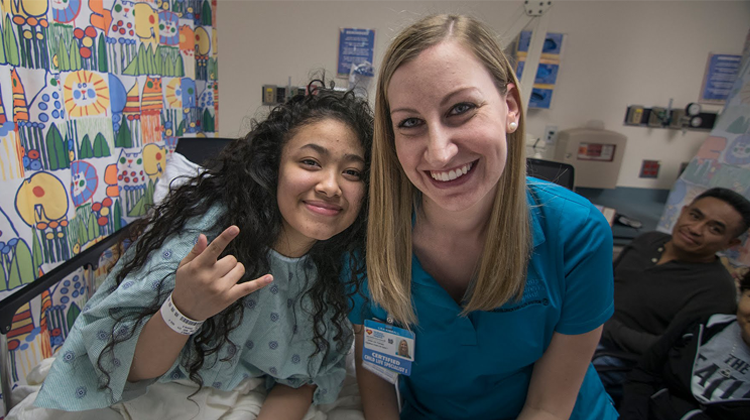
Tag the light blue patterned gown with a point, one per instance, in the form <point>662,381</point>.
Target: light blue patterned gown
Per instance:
<point>274,340</point>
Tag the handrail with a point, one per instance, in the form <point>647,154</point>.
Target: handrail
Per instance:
<point>87,258</point>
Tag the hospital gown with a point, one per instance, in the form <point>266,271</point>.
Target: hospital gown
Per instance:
<point>273,341</point>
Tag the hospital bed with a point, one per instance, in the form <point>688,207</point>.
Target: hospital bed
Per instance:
<point>88,259</point>
<point>191,152</point>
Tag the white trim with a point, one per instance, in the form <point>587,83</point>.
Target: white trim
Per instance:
<point>691,414</point>
<point>720,319</point>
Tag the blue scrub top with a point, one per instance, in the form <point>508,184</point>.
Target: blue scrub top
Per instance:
<point>479,367</point>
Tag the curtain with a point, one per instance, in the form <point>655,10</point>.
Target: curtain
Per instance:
<point>722,161</point>
<point>93,97</point>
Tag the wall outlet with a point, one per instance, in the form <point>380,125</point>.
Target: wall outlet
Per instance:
<point>550,134</point>
<point>269,94</point>
<point>650,169</point>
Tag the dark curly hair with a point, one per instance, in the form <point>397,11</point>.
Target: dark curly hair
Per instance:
<point>244,178</point>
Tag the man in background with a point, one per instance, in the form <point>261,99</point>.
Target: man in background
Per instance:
<point>660,278</point>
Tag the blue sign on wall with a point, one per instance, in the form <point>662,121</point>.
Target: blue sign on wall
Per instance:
<point>545,73</point>
<point>552,42</point>
<point>549,66</point>
<point>721,72</point>
<point>355,47</point>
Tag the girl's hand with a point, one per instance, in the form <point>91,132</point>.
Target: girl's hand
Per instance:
<point>205,285</point>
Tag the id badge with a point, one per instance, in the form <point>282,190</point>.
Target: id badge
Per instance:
<point>389,347</point>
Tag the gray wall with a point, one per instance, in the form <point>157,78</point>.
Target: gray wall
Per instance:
<point>617,53</point>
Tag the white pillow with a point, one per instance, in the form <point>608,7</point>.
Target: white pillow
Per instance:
<point>179,171</point>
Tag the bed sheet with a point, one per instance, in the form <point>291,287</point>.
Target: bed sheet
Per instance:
<point>165,401</point>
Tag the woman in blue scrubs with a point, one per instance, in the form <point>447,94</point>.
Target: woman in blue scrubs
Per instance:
<point>504,280</point>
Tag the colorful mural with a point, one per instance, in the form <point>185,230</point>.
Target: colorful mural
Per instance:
<point>93,96</point>
<point>722,161</point>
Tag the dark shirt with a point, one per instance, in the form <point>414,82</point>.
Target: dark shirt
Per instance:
<point>697,370</point>
<point>648,297</point>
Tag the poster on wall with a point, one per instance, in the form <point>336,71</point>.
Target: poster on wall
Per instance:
<point>722,161</point>
<point>549,66</point>
<point>356,47</point>
<point>721,72</point>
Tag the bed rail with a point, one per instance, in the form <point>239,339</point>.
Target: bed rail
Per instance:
<point>88,259</point>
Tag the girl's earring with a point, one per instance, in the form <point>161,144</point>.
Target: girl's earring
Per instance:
<point>512,126</point>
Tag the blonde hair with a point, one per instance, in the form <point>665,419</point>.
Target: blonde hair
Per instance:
<point>501,273</point>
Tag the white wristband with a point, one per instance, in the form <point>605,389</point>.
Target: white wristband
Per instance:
<point>178,322</point>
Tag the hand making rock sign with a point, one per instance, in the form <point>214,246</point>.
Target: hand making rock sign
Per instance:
<point>206,284</point>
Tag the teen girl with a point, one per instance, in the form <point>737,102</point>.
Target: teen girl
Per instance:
<point>236,275</point>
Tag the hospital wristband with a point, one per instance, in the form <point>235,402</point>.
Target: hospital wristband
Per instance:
<point>178,322</point>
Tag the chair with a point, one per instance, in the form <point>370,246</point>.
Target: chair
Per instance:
<point>613,366</point>
<point>199,149</point>
<point>557,172</point>
<point>629,360</point>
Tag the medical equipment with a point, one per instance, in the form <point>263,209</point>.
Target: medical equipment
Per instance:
<point>595,153</point>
